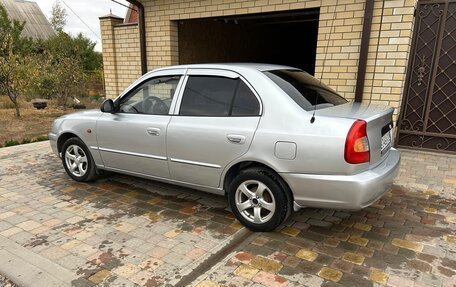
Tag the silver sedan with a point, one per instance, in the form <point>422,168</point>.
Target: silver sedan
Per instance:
<point>271,138</point>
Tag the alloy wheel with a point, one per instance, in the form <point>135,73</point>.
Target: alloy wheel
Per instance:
<point>255,201</point>
<point>76,160</point>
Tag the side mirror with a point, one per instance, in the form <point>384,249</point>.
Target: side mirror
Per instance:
<point>107,106</point>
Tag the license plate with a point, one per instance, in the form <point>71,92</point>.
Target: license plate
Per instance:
<point>386,141</point>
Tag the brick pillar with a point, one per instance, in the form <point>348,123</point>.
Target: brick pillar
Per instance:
<point>108,42</point>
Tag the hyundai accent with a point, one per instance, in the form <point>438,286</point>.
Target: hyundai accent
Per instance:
<point>271,138</point>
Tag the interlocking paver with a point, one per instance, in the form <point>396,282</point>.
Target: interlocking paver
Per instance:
<point>330,274</point>
<point>404,237</point>
<point>246,271</point>
<point>10,231</point>
<point>307,255</point>
<point>133,231</point>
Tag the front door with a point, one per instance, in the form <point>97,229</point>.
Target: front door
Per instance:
<point>215,124</point>
<point>428,113</point>
<point>134,138</point>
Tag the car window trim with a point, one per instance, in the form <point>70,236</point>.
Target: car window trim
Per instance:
<point>236,89</point>
<point>217,73</point>
<point>180,94</point>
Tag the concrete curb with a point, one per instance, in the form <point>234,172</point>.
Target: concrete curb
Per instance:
<point>26,268</point>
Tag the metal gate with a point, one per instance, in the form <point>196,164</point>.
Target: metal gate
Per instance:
<point>428,114</point>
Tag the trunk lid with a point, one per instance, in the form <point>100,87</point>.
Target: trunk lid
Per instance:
<point>379,125</point>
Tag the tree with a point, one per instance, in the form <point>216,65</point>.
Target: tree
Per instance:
<point>13,66</point>
<point>91,60</point>
<point>78,47</point>
<point>63,73</point>
<point>15,74</point>
<point>10,31</point>
<point>68,76</point>
<point>58,16</point>
<point>55,67</point>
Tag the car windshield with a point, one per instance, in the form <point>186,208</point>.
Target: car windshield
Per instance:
<point>305,90</point>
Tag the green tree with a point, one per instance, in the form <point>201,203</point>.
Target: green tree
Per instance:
<point>58,16</point>
<point>16,72</point>
<point>55,67</point>
<point>10,31</point>
<point>91,60</point>
<point>43,79</point>
<point>72,61</point>
<point>79,47</point>
<point>68,76</point>
<point>13,66</point>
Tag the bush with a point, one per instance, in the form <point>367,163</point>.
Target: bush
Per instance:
<point>26,141</point>
<point>41,138</point>
<point>11,143</point>
<point>7,105</point>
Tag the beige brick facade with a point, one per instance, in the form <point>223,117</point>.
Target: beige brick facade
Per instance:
<point>338,45</point>
<point>121,55</point>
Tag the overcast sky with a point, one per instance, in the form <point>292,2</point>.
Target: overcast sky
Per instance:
<point>88,11</point>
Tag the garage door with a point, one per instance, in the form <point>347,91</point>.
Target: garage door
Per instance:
<point>276,38</point>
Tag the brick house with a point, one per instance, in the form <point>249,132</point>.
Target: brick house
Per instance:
<point>409,65</point>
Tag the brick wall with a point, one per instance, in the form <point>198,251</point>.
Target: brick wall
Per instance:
<point>340,43</point>
<point>387,84</point>
<point>121,55</point>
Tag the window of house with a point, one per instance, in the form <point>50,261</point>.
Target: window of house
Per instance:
<point>218,96</point>
<point>152,97</point>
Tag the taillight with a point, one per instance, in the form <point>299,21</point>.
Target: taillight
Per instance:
<point>357,144</point>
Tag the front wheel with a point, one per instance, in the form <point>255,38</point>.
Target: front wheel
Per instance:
<point>77,160</point>
<point>259,199</point>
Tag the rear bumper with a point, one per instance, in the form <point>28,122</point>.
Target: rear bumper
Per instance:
<point>344,191</point>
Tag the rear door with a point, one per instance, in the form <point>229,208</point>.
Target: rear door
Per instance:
<point>134,138</point>
<point>214,123</point>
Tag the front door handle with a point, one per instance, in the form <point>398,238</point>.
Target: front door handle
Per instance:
<point>237,139</point>
<point>153,131</point>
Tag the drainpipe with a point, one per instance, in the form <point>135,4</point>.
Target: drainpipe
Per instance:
<point>142,34</point>
<point>364,49</point>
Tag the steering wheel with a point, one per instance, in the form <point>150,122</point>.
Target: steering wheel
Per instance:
<point>155,105</point>
<point>130,108</point>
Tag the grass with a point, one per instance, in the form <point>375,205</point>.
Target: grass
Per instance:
<point>32,125</point>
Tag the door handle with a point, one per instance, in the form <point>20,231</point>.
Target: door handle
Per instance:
<point>237,139</point>
<point>153,131</point>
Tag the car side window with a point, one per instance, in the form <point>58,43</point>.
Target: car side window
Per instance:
<point>245,102</point>
<point>153,97</point>
<point>218,96</point>
<point>208,96</point>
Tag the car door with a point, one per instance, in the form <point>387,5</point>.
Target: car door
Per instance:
<point>133,138</point>
<point>214,123</point>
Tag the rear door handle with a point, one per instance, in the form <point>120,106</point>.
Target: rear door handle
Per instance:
<point>153,131</point>
<point>237,139</point>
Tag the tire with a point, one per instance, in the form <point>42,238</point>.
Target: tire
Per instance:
<point>78,161</point>
<point>259,199</point>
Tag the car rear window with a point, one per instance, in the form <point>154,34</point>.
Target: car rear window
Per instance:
<point>305,90</point>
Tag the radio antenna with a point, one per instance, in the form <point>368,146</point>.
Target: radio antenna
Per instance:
<point>312,119</point>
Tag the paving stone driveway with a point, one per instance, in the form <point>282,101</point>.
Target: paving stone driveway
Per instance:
<point>125,231</point>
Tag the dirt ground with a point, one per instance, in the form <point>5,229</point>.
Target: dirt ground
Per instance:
<point>32,123</point>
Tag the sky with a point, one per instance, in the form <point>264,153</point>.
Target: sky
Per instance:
<point>88,11</point>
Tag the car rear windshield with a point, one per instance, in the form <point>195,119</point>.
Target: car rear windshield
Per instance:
<point>305,90</point>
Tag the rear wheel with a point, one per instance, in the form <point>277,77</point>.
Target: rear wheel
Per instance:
<point>77,160</point>
<point>259,199</point>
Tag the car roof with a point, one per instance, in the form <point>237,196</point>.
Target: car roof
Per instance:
<point>230,66</point>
